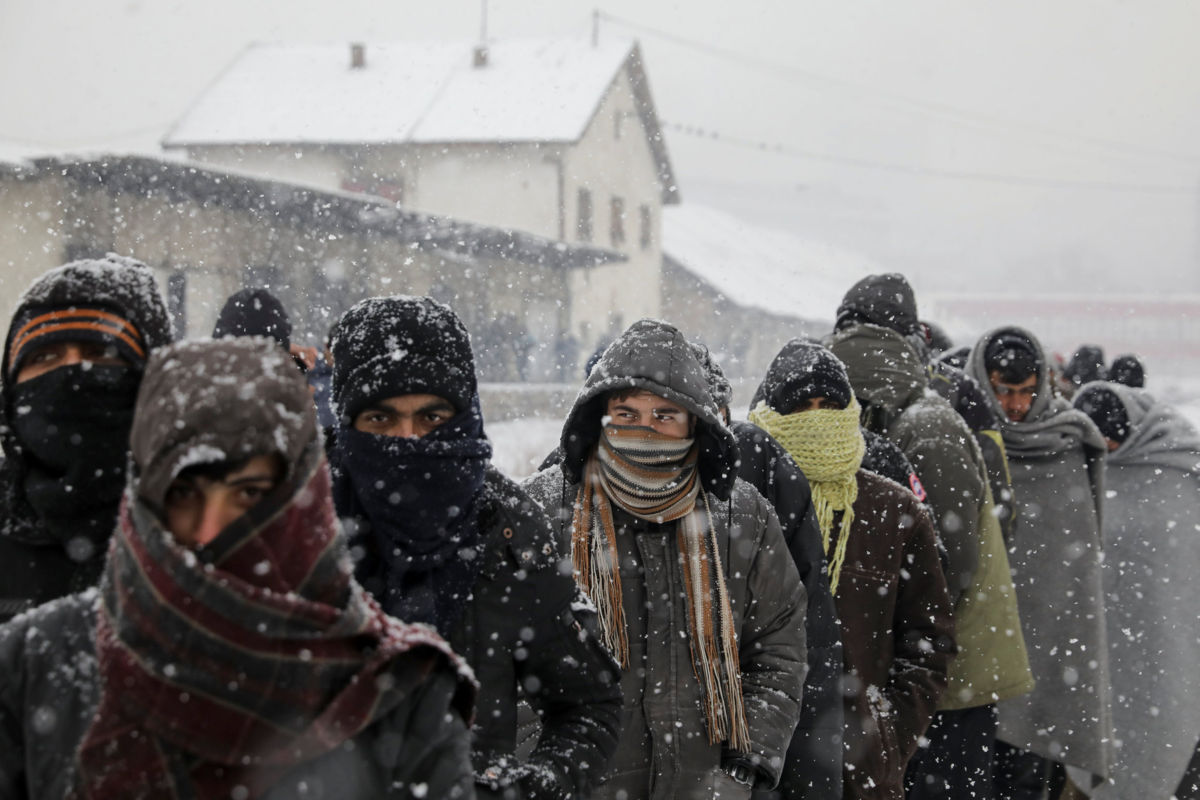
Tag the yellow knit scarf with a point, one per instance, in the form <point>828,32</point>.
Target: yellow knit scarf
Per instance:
<point>828,446</point>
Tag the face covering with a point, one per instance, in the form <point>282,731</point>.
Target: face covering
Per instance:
<point>418,498</point>
<point>72,424</point>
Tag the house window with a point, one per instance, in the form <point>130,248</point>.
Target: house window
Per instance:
<point>646,235</point>
<point>583,221</point>
<point>617,222</point>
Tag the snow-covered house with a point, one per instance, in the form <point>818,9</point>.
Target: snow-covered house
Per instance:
<point>745,290</point>
<point>558,138</point>
<point>208,232</point>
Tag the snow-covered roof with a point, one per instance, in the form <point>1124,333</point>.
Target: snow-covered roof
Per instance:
<point>761,267</point>
<point>530,90</point>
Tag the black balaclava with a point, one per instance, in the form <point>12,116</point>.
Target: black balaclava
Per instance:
<point>415,499</point>
<point>67,437</point>
<point>254,312</point>
<point>886,300</point>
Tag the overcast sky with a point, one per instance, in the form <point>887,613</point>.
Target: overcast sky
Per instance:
<point>1017,146</point>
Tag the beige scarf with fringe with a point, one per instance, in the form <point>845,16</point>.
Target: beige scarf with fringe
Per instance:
<point>828,446</point>
<point>654,477</point>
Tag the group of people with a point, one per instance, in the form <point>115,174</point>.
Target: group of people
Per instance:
<point>239,568</point>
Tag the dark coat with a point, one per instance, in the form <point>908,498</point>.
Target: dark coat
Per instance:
<point>814,760</point>
<point>525,633</point>
<point>48,697</point>
<point>664,750</point>
<point>897,634</point>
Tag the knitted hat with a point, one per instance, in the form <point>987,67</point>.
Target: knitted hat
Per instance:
<point>801,371</point>
<point>390,346</point>
<point>113,300</point>
<point>1129,370</point>
<point>1106,410</point>
<point>254,312</point>
<point>1011,354</point>
<point>885,300</point>
<point>1086,365</point>
<point>718,385</point>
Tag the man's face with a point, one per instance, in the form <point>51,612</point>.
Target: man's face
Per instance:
<point>198,508</point>
<point>650,411</point>
<point>815,403</point>
<point>53,355</point>
<point>409,416</point>
<point>1015,398</point>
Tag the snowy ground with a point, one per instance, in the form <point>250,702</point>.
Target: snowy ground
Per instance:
<point>520,445</point>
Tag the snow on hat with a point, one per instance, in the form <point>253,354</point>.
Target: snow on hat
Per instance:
<point>1105,409</point>
<point>801,371</point>
<point>886,300</point>
<point>113,300</point>
<point>254,312</point>
<point>1086,365</point>
<point>1012,354</point>
<point>718,385</point>
<point>1129,370</point>
<point>390,346</point>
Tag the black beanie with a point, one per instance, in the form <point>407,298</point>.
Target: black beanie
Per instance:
<point>112,299</point>
<point>719,387</point>
<point>1106,410</point>
<point>1012,355</point>
<point>1129,370</point>
<point>886,300</point>
<point>254,312</point>
<point>801,371</point>
<point>1086,365</point>
<point>390,346</point>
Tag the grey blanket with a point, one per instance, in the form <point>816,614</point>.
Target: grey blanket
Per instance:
<point>1152,560</point>
<point>1056,456</point>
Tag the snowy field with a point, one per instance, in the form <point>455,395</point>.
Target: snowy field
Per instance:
<point>520,445</point>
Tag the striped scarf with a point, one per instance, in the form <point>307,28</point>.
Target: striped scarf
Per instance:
<point>828,446</point>
<point>227,666</point>
<point>654,477</point>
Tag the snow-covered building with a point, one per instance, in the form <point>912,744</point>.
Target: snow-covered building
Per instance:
<point>208,233</point>
<point>745,290</point>
<point>558,138</point>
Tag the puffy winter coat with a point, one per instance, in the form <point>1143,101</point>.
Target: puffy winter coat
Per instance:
<point>49,695</point>
<point>522,633</point>
<point>664,750</point>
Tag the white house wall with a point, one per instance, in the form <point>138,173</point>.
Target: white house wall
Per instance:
<point>308,165</point>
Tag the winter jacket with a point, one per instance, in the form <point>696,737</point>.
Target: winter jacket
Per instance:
<point>886,371</point>
<point>49,695</point>
<point>968,398</point>
<point>1057,460</point>
<point>664,750</point>
<point>814,761</point>
<point>897,635</point>
<point>523,633</point>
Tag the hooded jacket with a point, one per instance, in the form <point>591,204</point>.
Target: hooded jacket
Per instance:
<point>40,562</point>
<point>896,626</point>
<point>150,687</point>
<point>664,750</point>
<point>1151,559</point>
<point>890,380</point>
<point>1056,455</point>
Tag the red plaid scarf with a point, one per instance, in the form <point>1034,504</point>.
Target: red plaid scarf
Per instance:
<point>228,666</point>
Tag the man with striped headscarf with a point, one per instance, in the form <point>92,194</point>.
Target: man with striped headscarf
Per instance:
<point>73,359</point>
<point>697,595</point>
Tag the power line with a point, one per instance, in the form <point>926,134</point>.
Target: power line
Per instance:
<point>957,114</point>
<point>774,148</point>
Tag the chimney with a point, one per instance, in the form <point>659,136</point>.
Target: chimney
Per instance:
<point>358,55</point>
<point>480,56</point>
